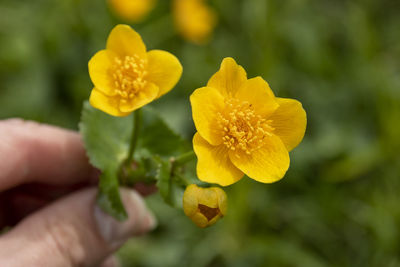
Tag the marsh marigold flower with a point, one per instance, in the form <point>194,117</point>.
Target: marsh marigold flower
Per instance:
<point>204,206</point>
<point>194,20</point>
<point>126,76</point>
<point>132,10</point>
<point>242,128</point>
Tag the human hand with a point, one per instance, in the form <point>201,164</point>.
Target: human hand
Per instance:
<point>47,189</point>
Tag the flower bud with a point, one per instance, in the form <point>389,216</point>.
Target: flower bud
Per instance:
<point>204,206</point>
<point>132,10</point>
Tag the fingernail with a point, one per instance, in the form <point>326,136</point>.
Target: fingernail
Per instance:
<point>140,220</point>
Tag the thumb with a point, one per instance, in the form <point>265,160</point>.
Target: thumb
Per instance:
<point>73,232</point>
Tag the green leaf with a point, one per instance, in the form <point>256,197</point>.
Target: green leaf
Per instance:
<point>156,137</point>
<point>106,140</point>
<point>164,179</point>
<point>106,137</point>
<point>171,191</point>
<point>145,170</point>
<point>109,198</point>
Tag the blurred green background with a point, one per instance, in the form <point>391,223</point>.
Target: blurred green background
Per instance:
<point>339,204</point>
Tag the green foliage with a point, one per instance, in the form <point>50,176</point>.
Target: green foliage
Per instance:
<point>107,140</point>
<point>108,197</point>
<point>339,203</point>
<point>106,137</point>
<point>164,180</point>
<point>169,182</point>
<point>157,138</point>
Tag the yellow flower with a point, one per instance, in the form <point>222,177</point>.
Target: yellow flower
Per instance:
<point>132,10</point>
<point>126,77</point>
<point>194,20</point>
<point>204,206</point>
<point>243,128</point>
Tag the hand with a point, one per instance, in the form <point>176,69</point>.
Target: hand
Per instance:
<point>47,189</point>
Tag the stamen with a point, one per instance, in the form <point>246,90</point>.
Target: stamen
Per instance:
<point>129,76</point>
<point>242,128</point>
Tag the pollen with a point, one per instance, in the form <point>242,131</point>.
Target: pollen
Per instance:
<point>129,76</point>
<point>243,130</point>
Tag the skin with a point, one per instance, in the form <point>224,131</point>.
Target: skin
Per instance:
<point>47,197</point>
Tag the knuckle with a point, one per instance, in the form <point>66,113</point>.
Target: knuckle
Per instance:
<point>65,241</point>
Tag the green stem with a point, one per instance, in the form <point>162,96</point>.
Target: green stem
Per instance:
<point>137,123</point>
<point>182,180</point>
<point>184,158</point>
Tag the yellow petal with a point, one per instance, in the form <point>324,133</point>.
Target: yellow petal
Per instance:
<point>222,200</point>
<point>209,198</point>
<point>213,220</point>
<point>99,71</point>
<point>229,78</point>
<point>109,105</point>
<point>125,41</point>
<point>190,199</point>
<point>164,70</point>
<point>145,96</point>
<point>267,164</point>
<point>257,92</point>
<point>200,220</point>
<point>289,121</point>
<point>206,103</point>
<point>213,163</point>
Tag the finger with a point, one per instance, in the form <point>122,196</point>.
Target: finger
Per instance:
<point>21,201</point>
<point>73,232</point>
<point>33,152</point>
<point>111,262</point>
<point>15,206</point>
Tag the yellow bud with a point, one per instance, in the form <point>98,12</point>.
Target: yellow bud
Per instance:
<point>132,10</point>
<point>204,206</point>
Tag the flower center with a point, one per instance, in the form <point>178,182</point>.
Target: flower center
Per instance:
<point>129,76</point>
<point>242,129</point>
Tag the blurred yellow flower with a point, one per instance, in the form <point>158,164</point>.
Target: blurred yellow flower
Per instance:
<point>243,128</point>
<point>132,10</point>
<point>126,77</point>
<point>204,206</point>
<point>194,20</point>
